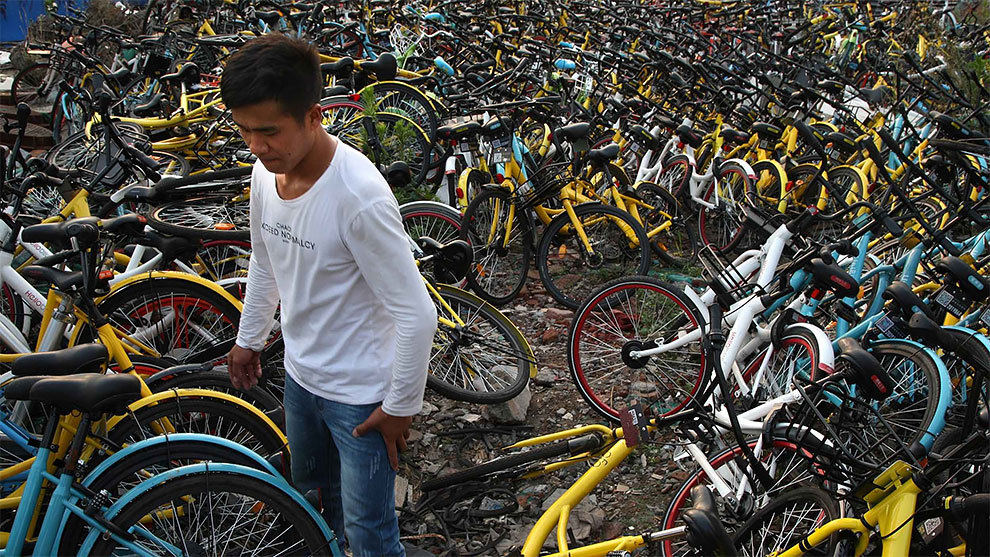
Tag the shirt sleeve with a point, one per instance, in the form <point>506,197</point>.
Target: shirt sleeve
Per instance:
<point>377,241</point>
<point>261,297</point>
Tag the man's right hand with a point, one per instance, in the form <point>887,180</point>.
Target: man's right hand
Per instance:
<point>244,367</point>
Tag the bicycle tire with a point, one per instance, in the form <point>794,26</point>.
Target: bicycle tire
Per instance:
<point>474,374</point>
<point>910,408</point>
<point>571,268</point>
<point>777,522</point>
<point>219,381</point>
<point>400,139</point>
<point>764,192</point>
<point>215,217</point>
<point>138,466</point>
<point>730,464</point>
<point>429,218</point>
<point>675,175</point>
<point>26,88</point>
<point>198,413</point>
<point>401,98</point>
<point>620,316</point>
<point>678,244</point>
<point>263,502</point>
<point>724,227</point>
<point>794,355</point>
<point>145,306</point>
<point>500,464</point>
<point>501,257</point>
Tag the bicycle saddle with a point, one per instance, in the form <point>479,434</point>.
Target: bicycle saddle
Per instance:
<point>271,18</point>
<point>735,137</point>
<point>384,68</point>
<point>85,230</point>
<point>85,358</point>
<point>842,142</point>
<point>973,284</point>
<point>188,74</point>
<point>831,87</point>
<point>340,68</point>
<point>460,131</point>
<point>831,277</point>
<point>704,530</point>
<point>908,302</point>
<point>129,224</point>
<point>876,95</point>
<point>62,280</point>
<point>922,327</point>
<point>864,369</point>
<point>665,122</point>
<point>643,135</point>
<point>950,126</point>
<point>150,107</point>
<point>766,130</point>
<point>605,154</point>
<point>573,132</point>
<point>86,392</point>
<point>689,135</point>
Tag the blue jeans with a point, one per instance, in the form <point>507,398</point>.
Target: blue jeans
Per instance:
<point>353,474</point>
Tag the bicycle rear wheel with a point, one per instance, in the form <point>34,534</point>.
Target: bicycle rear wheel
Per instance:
<point>636,313</point>
<point>486,360</point>
<point>785,521</point>
<point>677,245</point>
<point>570,272</point>
<point>723,226</point>
<point>218,217</point>
<point>213,509</point>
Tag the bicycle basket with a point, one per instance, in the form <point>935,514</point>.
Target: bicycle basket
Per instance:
<point>845,436</point>
<point>736,283</point>
<point>544,184</point>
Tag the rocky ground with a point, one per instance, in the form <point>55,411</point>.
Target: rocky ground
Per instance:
<point>451,435</point>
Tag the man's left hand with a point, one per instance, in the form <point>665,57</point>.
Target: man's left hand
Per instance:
<point>395,430</point>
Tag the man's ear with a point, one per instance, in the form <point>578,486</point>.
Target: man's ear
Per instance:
<point>315,115</point>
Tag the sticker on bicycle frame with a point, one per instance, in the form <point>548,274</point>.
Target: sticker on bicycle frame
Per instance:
<point>948,300</point>
<point>466,146</point>
<point>634,147</point>
<point>501,156</point>
<point>985,318</point>
<point>887,326</point>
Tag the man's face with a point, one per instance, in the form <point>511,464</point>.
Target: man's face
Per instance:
<point>274,136</point>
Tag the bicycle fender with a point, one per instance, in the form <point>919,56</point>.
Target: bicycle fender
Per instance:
<point>750,173</point>
<point>197,393</point>
<point>945,390</point>
<point>276,482</point>
<point>162,275</point>
<point>826,354</point>
<point>158,440</point>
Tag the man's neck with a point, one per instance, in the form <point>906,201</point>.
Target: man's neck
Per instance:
<point>301,178</point>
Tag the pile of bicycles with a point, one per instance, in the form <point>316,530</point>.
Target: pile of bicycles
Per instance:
<point>771,222</point>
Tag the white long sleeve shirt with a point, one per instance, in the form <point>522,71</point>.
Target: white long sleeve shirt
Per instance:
<point>357,320</point>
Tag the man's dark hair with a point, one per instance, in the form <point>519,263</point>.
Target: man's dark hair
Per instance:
<point>277,68</point>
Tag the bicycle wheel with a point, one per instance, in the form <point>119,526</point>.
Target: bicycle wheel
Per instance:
<point>794,356</point>
<point>404,99</point>
<point>909,411</point>
<point>723,226</point>
<point>764,192</point>
<point>219,381</point>
<point>176,318</point>
<point>486,360</point>
<point>677,245</point>
<point>217,217</point>
<point>675,174</point>
<point>788,466</point>
<point>32,86</point>
<point>502,240</point>
<point>210,510</point>
<point>138,466</point>
<point>385,138</point>
<point>628,314</point>
<point>785,521</point>
<point>171,164</point>
<point>618,248</point>
<point>200,413</point>
<point>429,218</point>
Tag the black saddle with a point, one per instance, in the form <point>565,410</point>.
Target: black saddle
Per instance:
<point>85,358</point>
<point>91,393</point>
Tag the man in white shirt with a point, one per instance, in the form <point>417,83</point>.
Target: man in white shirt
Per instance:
<point>357,321</point>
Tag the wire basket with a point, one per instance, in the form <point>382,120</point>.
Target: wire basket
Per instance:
<point>847,439</point>
<point>734,281</point>
<point>544,184</point>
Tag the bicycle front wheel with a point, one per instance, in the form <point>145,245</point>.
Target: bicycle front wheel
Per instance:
<point>723,226</point>
<point>218,217</point>
<point>502,240</point>
<point>636,313</point>
<point>201,513</point>
<point>572,268</point>
<point>785,521</point>
<point>478,355</point>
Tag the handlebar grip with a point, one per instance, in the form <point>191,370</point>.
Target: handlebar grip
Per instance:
<point>809,136</point>
<point>892,227</point>
<point>148,165</point>
<point>961,508</point>
<point>23,113</point>
<point>799,222</point>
